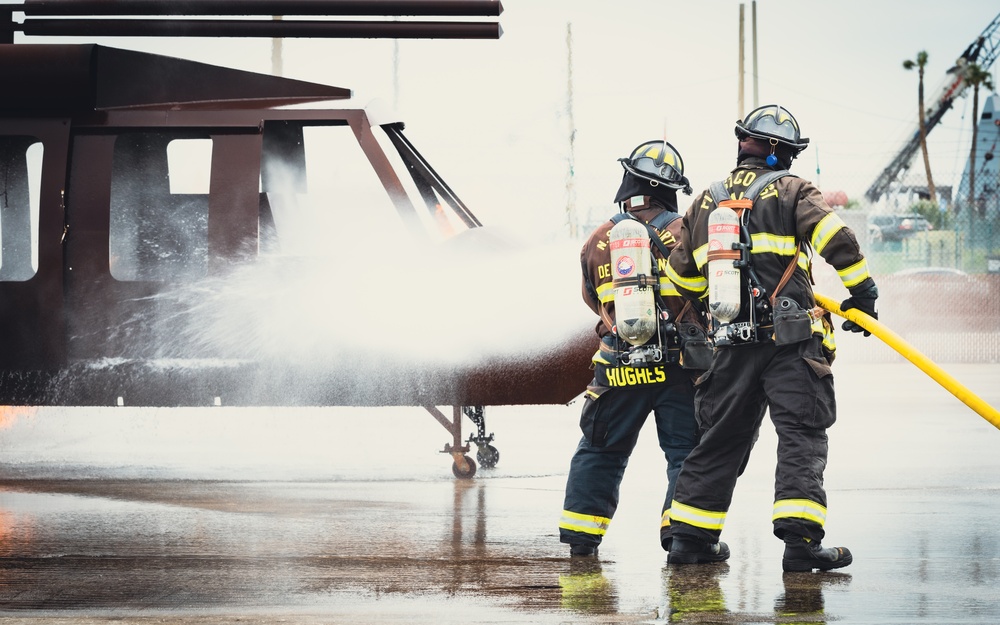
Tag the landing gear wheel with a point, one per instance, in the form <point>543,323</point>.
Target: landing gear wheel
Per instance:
<point>488,456</point>
<point>468,473</point>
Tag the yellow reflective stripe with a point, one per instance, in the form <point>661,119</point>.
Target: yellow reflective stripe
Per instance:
<point>767,243</point>
<point>697,517</point>
<point>665,519</point>
<point>584,523</point>
<point>818,327</point>
<point>598,358</point>
<point>826,330</point>
<point>667,287</point>
<point>799,509</point>
<point>824,231</point>
<point>700,257</point>
<point>605,292</point>
<point>855,274</point>
<point>828,341</point>
<point>695,284</point>
<point>591,394</point>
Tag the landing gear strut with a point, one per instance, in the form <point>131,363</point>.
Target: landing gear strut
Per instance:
<point>487,455</point>
<point>463,466</point>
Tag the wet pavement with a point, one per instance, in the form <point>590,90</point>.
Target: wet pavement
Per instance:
<point>352,516</point>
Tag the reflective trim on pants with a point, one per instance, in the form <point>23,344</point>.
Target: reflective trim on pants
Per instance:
<point>584,523</point>
<point>697,517</point>
<point>799,509</point>
<point>610,422</point>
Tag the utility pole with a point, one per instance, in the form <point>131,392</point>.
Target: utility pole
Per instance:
<point>395,74</point>
<point>753,19</point>
<point>570,174</point>
<point>739,104</point>
<point>276,61</point>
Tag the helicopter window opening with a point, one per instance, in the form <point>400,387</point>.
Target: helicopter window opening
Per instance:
<point>189,165</point>
<point>316,179</point>
<point>159,206</point>
<point>20,186</point>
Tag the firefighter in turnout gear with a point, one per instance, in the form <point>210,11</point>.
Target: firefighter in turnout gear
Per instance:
<point>774,354</point>
<point>642,365</point>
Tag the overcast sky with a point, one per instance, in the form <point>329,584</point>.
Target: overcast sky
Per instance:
<point>493,116</point>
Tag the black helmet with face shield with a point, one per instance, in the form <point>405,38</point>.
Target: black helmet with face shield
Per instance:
<point>659,163</point>
<point>775,125</point>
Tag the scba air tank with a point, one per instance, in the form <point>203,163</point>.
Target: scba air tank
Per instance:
<point>635,307</point>
<point>724,287</point>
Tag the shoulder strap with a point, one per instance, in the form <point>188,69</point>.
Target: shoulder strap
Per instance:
<point>720,195</point>
<point>752,191</point>
<point>655,226</point>
<point>659,223</point>
<point>718,192</point>
<point>763,180</point>
<point>663,220</point>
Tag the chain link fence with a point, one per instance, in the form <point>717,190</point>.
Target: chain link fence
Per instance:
<point>937,266</point>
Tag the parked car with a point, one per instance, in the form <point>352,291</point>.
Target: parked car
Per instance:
<point>930,271</point>
<point>896,227</point>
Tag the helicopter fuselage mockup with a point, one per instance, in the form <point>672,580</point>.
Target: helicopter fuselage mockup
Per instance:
<point>108,266</point>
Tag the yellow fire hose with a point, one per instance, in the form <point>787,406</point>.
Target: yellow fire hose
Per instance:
<point>907,351</point>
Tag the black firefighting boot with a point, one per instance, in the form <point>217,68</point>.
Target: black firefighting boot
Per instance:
<point>693,551</point>
<point>666,538</point>
<point>666,542</point>
<point>802,554</point>
<point>581,550</point>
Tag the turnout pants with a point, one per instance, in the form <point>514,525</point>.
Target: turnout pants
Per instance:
<point>615,407</point>
<point>796,384</point>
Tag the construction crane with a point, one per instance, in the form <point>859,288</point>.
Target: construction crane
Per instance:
<point>983,51</point>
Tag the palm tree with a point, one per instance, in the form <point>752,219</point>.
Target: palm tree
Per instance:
<point>975,76</point>
<point>919,64</point>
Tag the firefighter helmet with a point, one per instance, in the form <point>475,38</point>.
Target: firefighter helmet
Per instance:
<point>772,123</point>
<point>659,163</point>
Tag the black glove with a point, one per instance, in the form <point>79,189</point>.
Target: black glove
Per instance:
<point>865,302</point>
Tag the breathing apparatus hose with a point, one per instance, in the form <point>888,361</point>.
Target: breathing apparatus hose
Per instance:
<point>907,351</point>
